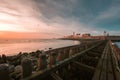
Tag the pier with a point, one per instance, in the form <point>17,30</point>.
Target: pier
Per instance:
<point>94,60</point>
<point>59,39</point>
<point>114,38</point>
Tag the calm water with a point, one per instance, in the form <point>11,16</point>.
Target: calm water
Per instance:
<point>118,43</point>
<point>12,47</point>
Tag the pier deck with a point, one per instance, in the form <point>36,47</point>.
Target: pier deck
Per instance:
<point>96,60</point>
<point>93,61</point>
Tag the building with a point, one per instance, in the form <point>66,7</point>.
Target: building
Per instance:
<point>86,35</point>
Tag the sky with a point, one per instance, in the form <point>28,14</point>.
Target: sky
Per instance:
<point>56,18</point>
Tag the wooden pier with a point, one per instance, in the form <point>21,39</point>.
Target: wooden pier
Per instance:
<point>91,61</point>
<point>95,60</point>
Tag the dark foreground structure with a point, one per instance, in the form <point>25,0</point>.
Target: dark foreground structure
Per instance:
<point>96,60</point>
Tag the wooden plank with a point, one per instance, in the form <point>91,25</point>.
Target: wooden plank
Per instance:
<point>84,67</point>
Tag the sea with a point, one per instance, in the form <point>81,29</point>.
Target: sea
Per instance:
<point>118,44</point>
<point>14,46</point>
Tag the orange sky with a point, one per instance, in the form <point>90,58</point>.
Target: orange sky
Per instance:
<point>53,18</point>
<point>18,18</point>
<point>9,34</point>
<point>27,16</point>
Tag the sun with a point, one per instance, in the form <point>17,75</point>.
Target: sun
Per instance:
<point>11,27</point>
<point>5,27</point>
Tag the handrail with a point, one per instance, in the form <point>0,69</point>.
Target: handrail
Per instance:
<point>55,66</point>
<point>114,58</point>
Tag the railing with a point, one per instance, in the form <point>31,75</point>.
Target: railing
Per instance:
<point>49,61</point>
<point>58,58</point>
<point>116,54</point>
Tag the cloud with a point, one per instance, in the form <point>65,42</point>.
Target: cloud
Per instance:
<point>58,17</point>
<point>42,16</point>
<point>60,13</point>
<point>111,13</point>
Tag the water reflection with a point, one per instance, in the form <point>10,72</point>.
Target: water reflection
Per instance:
<point>13,48</point>
<point>76,42</point>
<point>118,43</point>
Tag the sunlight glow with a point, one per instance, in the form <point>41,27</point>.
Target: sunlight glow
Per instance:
<point>10,27</point>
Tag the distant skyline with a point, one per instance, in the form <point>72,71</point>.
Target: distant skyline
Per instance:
<point>53,18</point>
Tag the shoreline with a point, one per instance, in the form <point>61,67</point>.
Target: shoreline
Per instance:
<point>14,63</point>
<point>11,49</point>
<point>4,58</point>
